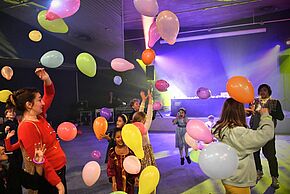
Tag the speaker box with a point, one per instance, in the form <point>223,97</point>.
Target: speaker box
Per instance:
<point>150,72</point>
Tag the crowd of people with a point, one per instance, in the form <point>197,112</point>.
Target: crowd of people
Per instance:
<point>29,139</point>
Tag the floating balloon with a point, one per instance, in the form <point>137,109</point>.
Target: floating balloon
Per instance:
<point>7,72</point>
<point>117,80</point>
<point>132,165</point>
<point>194,155</point>
<point>4,95</point>
<point>100,127</point>
<point>203,93</point>
<point>240,89</point>
<point>221,155</point>
<point>86,64</point>
<point>57,26</point>
<point>148,180</point>
<point>154,35</point>
<point>190,141</point>
<point>198,131</point>
<point>35,35</point>
<point>157,105</point>
<point>147,7</point>
<point>168,26</point>
<point>67,131</point>
<point>133,139</point>
<point>96,154</point>
<point>62,9</point>
<point>148,56</point>
<point>142,65</point>
<point>105,112</point>
<point>91,173</point>
<point>121,65</point>
<point>141,127</point>
<point>52,59</point>
<point>161,85</point>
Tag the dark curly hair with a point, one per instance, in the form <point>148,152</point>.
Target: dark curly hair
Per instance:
<point>265,86</point>
<point>19,98</point>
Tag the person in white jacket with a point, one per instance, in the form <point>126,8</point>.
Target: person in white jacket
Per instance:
<point>232,130</point>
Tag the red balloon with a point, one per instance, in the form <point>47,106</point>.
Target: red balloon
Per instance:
<point>96,154</point>
<point>161,85</point>
<point>67,131</point>
<point>240,89</point>
<point>148,56</point>
<point>141,127</point>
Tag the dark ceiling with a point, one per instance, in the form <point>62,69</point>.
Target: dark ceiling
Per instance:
<point>101,26</point>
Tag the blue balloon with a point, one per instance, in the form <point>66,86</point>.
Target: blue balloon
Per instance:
<point>117,80</point>
<point>52,59</point>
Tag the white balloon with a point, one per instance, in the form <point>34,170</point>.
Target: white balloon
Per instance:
<point>132,164</point>
<point>218,161</point>
<point>91,173</point>
<point>148,8</point>
<point>52,59</point>
<point>117,80</point>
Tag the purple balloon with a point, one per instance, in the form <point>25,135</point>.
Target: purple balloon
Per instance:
<point>203,93</point>
<point>96,154</point>
<point>105,112</point>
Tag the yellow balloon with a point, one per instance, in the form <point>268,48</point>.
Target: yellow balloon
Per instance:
<point>57,26</point>
<point>4,95</point>
<point>142,65</point>
<point>86,64</point>
<point>148,180</point>
<point>133,139</point>
<point>35,35</point>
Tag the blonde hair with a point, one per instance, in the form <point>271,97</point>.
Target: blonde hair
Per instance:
<point>138,117</point>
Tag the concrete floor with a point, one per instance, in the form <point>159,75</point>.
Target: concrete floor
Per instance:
<point>173,177</point>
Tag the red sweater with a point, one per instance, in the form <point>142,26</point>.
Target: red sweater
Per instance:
<point>28,135</point>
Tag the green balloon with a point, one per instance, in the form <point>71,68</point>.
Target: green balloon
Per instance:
<point>57,26</point>
<point>86,64</point>
<point>194,155</point>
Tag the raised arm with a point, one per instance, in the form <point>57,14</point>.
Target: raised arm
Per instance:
<point>149,113</point>
<point>144,98</point>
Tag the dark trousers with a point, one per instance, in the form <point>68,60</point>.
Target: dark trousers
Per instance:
<point>47,188</point>
<point>269,152</point>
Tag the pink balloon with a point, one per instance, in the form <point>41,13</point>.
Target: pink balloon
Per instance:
<point>121,65</point>
<point>154,35</point>
<point>132,164</point>
<point>67,131</point>
<point>96,154</point>
<point>199,131</point>
<point>161,85</point>
<point>141,127</point>
<point>168,26</point>
<point>190,141</point>
<point>203,93</point>
<point>62,9</point>
<point>91,173</point>
<point>157,105</point>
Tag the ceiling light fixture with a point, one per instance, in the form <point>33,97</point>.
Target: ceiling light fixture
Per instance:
<point>218,35</point>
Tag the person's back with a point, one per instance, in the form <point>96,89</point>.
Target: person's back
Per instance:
<point>232,130</point>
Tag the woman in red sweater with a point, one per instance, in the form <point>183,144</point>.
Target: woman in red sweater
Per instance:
<point>34,129</point>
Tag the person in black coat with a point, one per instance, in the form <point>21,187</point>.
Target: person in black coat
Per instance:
<point>275,110</point>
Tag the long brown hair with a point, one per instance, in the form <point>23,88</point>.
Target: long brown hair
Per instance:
<point>233,115</point>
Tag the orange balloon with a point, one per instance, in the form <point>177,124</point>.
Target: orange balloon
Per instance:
<point>100,127</point>
<point>240,89</point>
<point>148,56</point>
<point>35,35</point>
<point>7,72</point>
